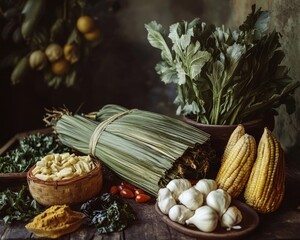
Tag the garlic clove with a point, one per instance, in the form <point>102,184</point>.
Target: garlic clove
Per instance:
<point>231,218</point>
<point>219,200</point>
<point>180,213</point>
<point>165,200</point>
<point>177,186</point>
<point>205,186</point>
<point>205,219</point>
<point>191,198</point>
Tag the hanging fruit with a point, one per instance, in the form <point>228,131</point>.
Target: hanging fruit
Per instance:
<point>85,24</point>
<point>92,36</point>
<point>59,37</point>
<point>53,52</point>
<point>60,67</point>
<point>38,60</point>
<point>71,53</point>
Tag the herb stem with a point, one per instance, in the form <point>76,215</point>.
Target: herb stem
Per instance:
<point>216,110</point>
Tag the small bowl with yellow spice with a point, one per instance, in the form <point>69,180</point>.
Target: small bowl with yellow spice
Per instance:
<point>55,221</point>
<point>65,179</point>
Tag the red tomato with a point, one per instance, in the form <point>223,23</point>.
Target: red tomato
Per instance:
<point>142,198</point>
<point>138,191</point>
<point>114,190</point>
<point>120,188</point>
<point>126,193</point>
<point>128,185</point>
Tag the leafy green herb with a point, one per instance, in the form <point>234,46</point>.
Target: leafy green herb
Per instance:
<point>223,76</point>
<point>30,150</point>
<point>109,213</point>
<point>18,205</point>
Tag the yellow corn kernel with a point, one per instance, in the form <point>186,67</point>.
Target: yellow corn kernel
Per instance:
<point>265,188</point>
<point>237,133</point>
<point>235,170</point>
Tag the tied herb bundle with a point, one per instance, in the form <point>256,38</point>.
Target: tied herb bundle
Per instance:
<point>144,148</point>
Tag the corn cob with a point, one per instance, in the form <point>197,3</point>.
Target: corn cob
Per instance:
<point>265,188</point>
<point>234,137</point>
<point>236,168</point>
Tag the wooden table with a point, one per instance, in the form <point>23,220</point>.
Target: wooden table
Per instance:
<point>282,224</point>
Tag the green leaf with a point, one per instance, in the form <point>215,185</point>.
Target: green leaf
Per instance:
<point>181,75</point>
<point>216,76</point>
<point>197,61</point>
<point>193,24</point>
<point>221,35</point>
<point>192,48</point>
<point>185,40</point>
<point>156,39</point>
<point>167,74</point>
<point>262,24</point>
<point>235,52</point>
<point>191,108</point>
<point>174,35</point>
<point>179,57</point>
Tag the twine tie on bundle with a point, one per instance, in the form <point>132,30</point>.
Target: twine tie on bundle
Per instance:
<point>100,128</point>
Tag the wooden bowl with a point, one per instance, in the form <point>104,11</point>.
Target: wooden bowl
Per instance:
<point>249,222</point>
<point>58,232</point>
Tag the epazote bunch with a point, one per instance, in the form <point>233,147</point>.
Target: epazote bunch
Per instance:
<point>224,76</point>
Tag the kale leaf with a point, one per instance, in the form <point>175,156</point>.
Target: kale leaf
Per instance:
<point>18,205</point>
<point>109,213</point>
<point>30,150</point>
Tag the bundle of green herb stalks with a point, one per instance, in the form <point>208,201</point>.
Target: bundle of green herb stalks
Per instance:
<point>144,148</point>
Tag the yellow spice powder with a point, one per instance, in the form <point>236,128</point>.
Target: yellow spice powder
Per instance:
<point>57,216</point>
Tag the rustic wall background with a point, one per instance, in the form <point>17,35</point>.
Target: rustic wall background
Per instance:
<point>121,69</point>
<point>285,18</point>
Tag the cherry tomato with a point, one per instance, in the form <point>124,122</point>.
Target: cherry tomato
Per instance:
<point>126,193</point>
<point>114,190</point>
<point>128,185</point>
<point>120,188</point>
<point>138,191</point>
<point>142,198</point>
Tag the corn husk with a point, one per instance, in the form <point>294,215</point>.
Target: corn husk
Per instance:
<point>144,148</point>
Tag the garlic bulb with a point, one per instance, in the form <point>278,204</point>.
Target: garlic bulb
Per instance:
<point>179,213</point>
<point>231,217</point>
<point>191,198</point>
<point>165,200</point>
<point>177,186</point>
<point>205,186</point>
<point>219,200</point>
<point>205,219</point>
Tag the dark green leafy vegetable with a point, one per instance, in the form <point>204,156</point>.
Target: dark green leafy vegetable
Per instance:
<point>18,205</point>
<point>30,150</point>
<point>109,213</point>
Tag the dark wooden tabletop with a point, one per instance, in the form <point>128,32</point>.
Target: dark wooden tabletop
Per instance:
<point>282,224</point>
